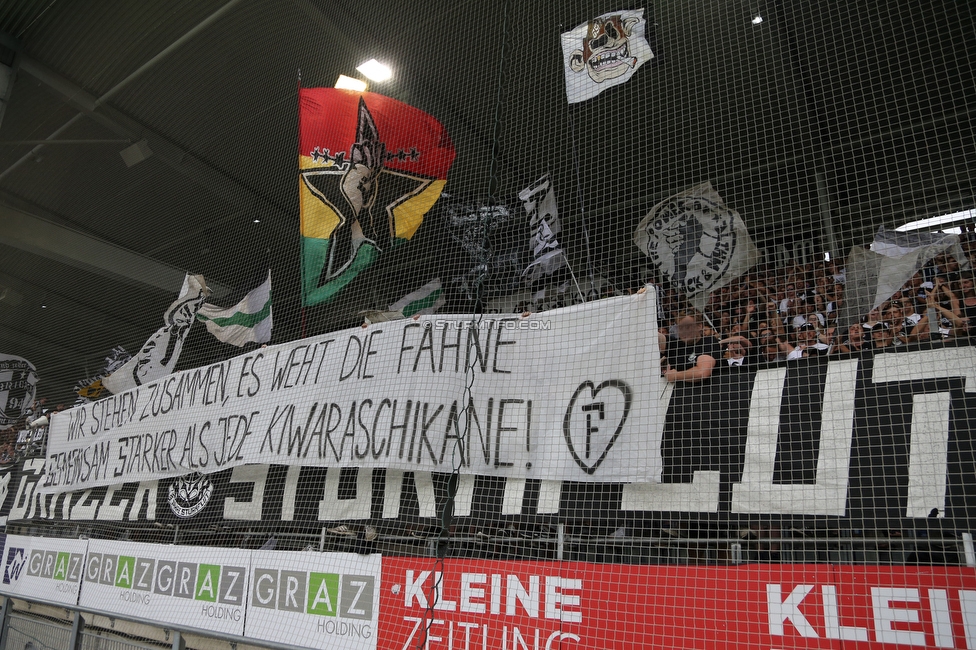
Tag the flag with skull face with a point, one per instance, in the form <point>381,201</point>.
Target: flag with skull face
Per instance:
<point>370,167</point>
<point>604,52</point>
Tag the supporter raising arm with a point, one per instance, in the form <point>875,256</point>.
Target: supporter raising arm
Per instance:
<point>951,322</point>
<point>693,355</point>
<point>809,342</point>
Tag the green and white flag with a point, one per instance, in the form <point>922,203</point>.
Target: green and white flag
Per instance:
<point>249,321</point>
<point>425,300</point>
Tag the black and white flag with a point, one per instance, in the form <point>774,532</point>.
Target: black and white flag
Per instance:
<point>603,52</point>
<point>18,381</point>
<point>158,356</point>
<point>91,388</point>
<point>547,257</point>
<point>696,242</point>
<point>892,243</point>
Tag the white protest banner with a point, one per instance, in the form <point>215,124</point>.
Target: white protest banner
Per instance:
<point>201,587</point>
<point>571,394</point>
<point>314,600</point>
<point>43,569</point>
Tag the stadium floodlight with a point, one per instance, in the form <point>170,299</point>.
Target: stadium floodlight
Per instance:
<point>757,20</point>
<point>349,83</point>
<point>375,71</point>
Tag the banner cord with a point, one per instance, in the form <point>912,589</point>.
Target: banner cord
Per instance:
<point>446,516</point>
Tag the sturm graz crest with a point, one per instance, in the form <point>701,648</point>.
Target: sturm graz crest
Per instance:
<point>692,239</point>
<point>696,242</point>
<point>190,494</point>
<point>18,379</point>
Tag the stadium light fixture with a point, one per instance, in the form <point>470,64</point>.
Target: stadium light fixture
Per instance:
<point>375,71</point>
<point>930,222</point>
<point>757,20</point>
<point>348,83</point>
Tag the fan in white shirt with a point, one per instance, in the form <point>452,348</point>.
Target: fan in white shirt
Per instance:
<point>807,344</point>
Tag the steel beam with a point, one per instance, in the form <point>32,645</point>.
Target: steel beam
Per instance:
<point>174,157</point>
<point>31,233</point>
<point>165,151</point>
<point>19,143</point>
<point>77,628</point>
<point>33,341</point>
<point>117,122</point>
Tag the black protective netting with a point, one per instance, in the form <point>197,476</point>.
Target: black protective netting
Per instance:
<point>583,299</point>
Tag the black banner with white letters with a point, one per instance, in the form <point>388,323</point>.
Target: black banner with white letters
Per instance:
<point>872,439</point>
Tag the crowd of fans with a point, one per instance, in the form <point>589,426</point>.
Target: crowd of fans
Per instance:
<point>770,315</point>
<point>773,315</point>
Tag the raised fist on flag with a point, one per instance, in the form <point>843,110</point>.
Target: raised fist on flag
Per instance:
<point>370,168</point>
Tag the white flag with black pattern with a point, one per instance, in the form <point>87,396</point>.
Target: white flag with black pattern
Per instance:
<point>696,242</point>
<point>159,354</point>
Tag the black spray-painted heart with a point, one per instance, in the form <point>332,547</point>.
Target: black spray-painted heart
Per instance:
<point>594,410</point>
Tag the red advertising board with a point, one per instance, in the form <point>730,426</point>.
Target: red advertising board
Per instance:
<point>509,605</point>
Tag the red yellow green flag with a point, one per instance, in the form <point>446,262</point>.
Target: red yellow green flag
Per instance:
<point>370,168</point>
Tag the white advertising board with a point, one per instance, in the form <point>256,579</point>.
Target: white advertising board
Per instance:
<point>314,600</point>
<point>42,568</point>
<point>193,586</point>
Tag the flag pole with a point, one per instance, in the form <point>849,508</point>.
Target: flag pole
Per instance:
<point>579,196</point>
<point>709,321</point>
<point>301,266</point>
<point>575,281</point>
